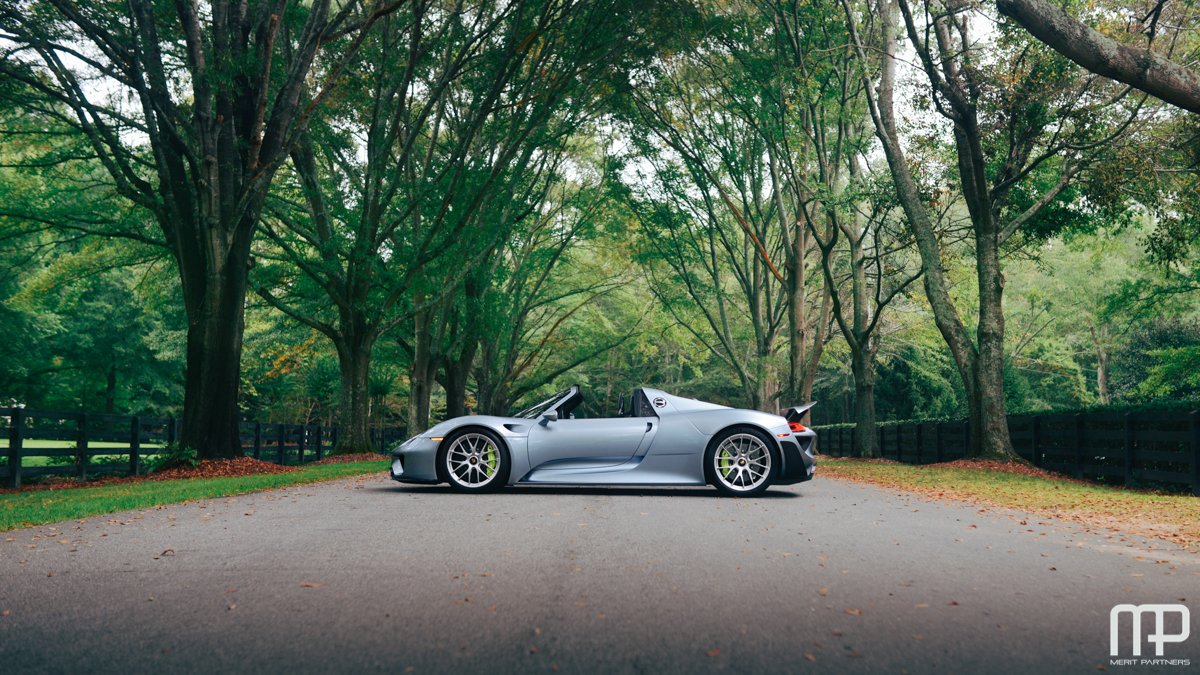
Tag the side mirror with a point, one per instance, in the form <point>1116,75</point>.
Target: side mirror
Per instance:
<point>550,416</point>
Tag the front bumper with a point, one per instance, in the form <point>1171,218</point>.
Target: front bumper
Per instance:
<point>415,461</point>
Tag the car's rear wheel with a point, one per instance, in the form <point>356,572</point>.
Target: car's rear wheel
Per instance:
<point>474,460</point>
<point>741,462</point>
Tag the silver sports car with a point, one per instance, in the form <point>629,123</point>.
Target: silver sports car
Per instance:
<point>662,440</point>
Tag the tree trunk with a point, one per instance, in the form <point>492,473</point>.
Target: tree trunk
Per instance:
<point>1102,377</point>
<point>420,376</point>
<point>110,388</point>
<point>456,374</point>
<point>989,433</point>
<point>214,351</point>
<point>863,365</point>
<point>354,425</point>
<point>1102,356</point>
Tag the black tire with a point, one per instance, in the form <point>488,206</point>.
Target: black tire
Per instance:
<point>472,469</point>
<point>735,475</point>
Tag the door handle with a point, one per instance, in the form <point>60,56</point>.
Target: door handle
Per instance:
<point>649,426</point>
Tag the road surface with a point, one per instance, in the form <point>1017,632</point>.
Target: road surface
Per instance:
<point>365,575</point>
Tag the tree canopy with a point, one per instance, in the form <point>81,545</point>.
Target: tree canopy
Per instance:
<point>390,212</point>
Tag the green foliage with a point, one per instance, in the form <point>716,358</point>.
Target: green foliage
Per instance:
<point>546,191</point>
<point>172,456</point>
<point>1176,375</point>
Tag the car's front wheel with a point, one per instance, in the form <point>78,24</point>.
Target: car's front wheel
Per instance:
<point>741,462</point>
<point>474,460</point>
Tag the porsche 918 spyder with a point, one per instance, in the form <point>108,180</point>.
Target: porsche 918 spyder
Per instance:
<point>662,440</point>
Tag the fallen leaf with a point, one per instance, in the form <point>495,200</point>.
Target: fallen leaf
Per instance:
<point>714,652</point>
<point>311,584</point>
<point>853,612</point>
<point>809,657</point>
<point>823,591</point>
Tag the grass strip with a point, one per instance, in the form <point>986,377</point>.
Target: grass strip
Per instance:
<point>1164,516</point>
<point>37,507</point>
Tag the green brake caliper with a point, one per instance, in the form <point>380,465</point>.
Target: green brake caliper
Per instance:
<point>726,461</point>
<point>491,460</point>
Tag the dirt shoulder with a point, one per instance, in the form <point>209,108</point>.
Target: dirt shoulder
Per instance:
<point>1172,517</point>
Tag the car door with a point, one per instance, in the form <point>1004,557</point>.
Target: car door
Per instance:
<point>586,443</point>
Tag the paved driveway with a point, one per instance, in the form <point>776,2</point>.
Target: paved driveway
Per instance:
<point>367,575</point>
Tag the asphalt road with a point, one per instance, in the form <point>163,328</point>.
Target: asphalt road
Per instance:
<point>366,575</point>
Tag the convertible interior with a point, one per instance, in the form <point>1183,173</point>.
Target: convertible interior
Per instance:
<point>570,405</point>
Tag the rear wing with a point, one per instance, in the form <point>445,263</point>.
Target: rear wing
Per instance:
<point>796,413</point>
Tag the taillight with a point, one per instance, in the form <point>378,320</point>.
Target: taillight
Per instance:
<point>796,427</point>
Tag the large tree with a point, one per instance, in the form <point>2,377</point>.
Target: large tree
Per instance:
<point>1026,129</point>
<point>191,109</point>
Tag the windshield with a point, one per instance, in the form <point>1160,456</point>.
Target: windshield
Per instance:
<point>535,410</point>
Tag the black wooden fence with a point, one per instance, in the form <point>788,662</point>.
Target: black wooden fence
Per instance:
<point>1152,447</point>
<point>91,443</point>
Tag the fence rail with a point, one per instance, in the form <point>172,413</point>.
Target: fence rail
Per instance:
<point>1132,449</point>
<point>79,444</point>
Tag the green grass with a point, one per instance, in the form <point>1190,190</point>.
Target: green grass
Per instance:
<point>31,446</point>
<point>36,507</point>
<point>1142,512</point>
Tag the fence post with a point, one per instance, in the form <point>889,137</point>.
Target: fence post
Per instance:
<point>1194,418</point>
<point>1129,452</point>
<point>16,440</point>
<point>280,437</point>
<point>318,442</point>
<point>171,432</point>
<point>882,445</point>
<point>1079,431</point>
<point>1035,435</point>
<point>300,444</point>
<point>920,425</point>
<point>333,438</point>
<point>81,446</point>
<point>258,440</point>
<point>135,445</point>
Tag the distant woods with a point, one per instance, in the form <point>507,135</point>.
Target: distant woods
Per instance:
<point>371,213</point>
